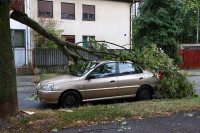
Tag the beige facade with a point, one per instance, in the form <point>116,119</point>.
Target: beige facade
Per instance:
<point>112,20</point>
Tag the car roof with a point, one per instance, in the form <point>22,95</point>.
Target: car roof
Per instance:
<point>107,61</point>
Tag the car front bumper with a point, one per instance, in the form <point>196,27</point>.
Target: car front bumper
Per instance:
<point>49,96</point>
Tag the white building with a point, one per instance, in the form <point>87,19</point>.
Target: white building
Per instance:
<point>108,20</point>
<point>20,36</point>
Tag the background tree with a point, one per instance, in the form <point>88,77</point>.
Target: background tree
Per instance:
<point>8,93</point>
<point>190,33</point>
<point>159,23</point>
<point>50,25</point>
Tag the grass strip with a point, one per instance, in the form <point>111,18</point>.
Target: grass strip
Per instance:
<point>48,120</point>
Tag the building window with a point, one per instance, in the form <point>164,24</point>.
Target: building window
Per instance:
<point>18,38</point>
<point>88,38</point>
<point>45,9</point>
<point>69,38</point>
<point>88,12</point>
<point>67,11</point>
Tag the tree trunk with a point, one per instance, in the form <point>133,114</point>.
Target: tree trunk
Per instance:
<point>8,91</point>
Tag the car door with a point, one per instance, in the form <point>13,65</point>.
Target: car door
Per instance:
<point>130,78</point>
<point>104,82</point>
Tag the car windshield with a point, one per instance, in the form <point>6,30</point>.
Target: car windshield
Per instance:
<point>86,68</point>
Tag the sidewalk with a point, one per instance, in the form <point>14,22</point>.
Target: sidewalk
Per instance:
<point>26,80</point>
<point>179,123</point>
<point>192,72</point>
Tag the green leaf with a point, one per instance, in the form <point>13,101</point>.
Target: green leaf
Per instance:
<point>55,130</point>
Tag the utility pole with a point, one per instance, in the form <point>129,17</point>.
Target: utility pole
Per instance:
<point>197,41</point>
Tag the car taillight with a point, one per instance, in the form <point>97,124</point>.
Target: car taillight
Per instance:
<point>160,76</point>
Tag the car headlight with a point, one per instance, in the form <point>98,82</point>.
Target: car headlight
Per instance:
<point>38,86</point>
<point>48,87</point>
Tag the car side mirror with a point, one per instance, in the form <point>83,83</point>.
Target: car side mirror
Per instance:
<point>91,76</point>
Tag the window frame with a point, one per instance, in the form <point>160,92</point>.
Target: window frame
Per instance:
<point>38,9</point>
<point>13,38</point>
<point>74,11</point>
<point>88,14</point>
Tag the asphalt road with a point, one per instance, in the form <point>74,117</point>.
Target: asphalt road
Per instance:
<point>26,87</point>
<point>179,123</point>
<point>196,79</point>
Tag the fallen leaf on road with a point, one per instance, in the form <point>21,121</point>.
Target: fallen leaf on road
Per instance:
<point>189,114</point>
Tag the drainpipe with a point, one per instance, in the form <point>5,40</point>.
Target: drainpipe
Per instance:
<point>28,32</point>
<point>26,46</point>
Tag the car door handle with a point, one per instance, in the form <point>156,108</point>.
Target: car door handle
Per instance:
<point>112,81</point>
<point>141,78</point>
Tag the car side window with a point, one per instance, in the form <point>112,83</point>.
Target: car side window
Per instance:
<point>105,70</point>
<point>128,68</point>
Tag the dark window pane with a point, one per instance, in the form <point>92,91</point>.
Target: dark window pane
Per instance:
<point>45,9</point>
<point>19,38</point>
<point>85,16</point>
<point>106,70</point>
<point>67,16</point>
<point>91,16</point>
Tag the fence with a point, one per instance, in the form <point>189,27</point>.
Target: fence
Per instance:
<point>191,58</point>
<point>190,55</point>
<point>54,57</point>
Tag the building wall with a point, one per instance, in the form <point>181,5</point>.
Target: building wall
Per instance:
<point>112,20</point>
<point>22,55</point>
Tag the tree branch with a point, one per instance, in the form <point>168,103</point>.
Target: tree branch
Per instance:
<point>62,45</point>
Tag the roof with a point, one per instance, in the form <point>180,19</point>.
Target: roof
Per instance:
<point>17,4</point>
<point>130,1</point>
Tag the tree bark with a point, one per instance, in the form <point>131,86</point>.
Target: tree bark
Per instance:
<point>8,91</point>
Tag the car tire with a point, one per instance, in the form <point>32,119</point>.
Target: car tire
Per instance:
<point>144,93</point>
<point>70,99</point>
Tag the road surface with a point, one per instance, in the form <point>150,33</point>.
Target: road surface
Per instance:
<point>26,87</point>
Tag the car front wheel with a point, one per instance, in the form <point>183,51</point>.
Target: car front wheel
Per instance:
<point>70,99</point>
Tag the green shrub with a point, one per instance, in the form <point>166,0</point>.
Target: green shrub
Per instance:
<point>174,84</point>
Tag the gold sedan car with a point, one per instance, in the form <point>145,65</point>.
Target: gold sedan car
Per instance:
<point>98,81</point>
